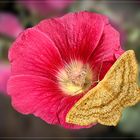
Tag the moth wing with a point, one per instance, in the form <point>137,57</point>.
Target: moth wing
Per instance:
<point>105,102</point>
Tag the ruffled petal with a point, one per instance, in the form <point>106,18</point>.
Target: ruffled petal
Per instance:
<point>107,51</point>
<point>34,53</point>
<point>40,96</point>
<point>34,91</point>
<point>76,35</point>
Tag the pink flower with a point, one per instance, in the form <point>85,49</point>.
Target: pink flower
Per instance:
<point>4,76</point>
<point>10,25</point>
<point>56,62</point>
<point>46,6</point>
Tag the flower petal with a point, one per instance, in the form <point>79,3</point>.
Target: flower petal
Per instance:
<point>9,25</point>
<point>34,91</point>
<point>40,96</point>
<point>74,36</point>
<point>4,76</point>
<point>33,53</point>
<point>107,51</point>
<point>46,6</point>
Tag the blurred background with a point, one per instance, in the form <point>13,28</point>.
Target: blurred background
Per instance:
<point>17,15</point>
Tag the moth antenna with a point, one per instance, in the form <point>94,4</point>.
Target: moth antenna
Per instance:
<point>98,77</point>
<point>77,90</point>
<point>100,69</point>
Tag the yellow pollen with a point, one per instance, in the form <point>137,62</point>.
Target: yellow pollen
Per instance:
<point>75,78</point>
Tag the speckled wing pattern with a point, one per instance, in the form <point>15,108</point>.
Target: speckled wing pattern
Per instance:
<point>104,103</point>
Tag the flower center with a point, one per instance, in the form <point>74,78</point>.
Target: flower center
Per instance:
<point>75,78</point>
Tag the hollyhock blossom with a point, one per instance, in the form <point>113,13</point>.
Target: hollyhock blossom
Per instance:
<point>10,25</point>
<point>57,61</point>
<point>46,6</point>
<point>4,75</point>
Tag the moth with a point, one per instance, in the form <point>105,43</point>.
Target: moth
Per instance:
<point>104,103</point>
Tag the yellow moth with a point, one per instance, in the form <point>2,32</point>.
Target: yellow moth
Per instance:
<point>104,103</point>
